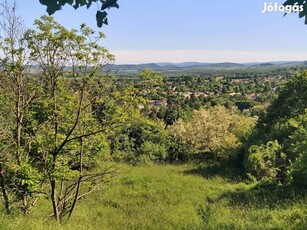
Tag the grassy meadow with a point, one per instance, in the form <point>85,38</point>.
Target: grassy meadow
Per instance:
<point>175,197</point>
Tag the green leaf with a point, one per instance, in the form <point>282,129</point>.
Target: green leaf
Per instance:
<point>298,2</point>
<point>101,15</point>
<point>52,6</point>
<point>109,4</point>
<point>101,18</point>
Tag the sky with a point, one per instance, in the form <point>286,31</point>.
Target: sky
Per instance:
<point>147,31</point>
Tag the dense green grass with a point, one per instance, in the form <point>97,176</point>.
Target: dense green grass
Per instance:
<point>175,197</point>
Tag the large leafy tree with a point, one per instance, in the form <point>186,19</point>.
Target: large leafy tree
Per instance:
<point>64,117</point>
<point>101,15</point>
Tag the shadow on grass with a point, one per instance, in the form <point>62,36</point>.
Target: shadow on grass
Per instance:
<point>260,204</point>
<point>209,170</point>
<point>268,196</point>
<point>261,195</point>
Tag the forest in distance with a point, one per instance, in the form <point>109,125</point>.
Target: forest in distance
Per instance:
<point>86,144</point>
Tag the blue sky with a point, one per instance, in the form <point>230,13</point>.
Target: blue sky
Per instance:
<point>144,31</point>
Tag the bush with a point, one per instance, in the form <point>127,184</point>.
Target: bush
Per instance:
<point>140,141</point>
<point>285,122</point>
<point>216,131</point>
<point>177,150</point>
<point>265,161</point>
<point>298,145</point>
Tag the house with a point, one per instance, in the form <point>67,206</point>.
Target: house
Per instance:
<point>252,96</point>
<point>157,103</point>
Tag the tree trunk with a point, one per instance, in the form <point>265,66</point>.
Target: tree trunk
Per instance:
<point>79,180</point>
<point>19,117</point>
<point>54,200</point>
<point>3,189</point>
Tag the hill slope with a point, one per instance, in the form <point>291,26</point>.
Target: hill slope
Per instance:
<point>174,197</point>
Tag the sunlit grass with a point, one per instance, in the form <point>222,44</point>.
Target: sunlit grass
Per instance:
<point>173,197</point>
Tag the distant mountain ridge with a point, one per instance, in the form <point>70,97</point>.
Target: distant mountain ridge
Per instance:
<point>165,66</point>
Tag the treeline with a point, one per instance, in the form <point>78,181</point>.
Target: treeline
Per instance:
<point>248,72</point>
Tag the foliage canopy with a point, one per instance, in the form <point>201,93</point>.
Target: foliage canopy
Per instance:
<point>101,15</point>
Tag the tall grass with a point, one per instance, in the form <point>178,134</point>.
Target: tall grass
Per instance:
<point>175,197</point>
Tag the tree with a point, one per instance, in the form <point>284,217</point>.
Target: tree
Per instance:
<point>101,15</point>
<point>290,103</point>
<point>19,180</point>
<point>149,80</point>
<point>170,116</point>
<point>216,131</point>
<point>284,125</point>
<point>63,117</point>
<point>298,145</point>
<point>139,140</point>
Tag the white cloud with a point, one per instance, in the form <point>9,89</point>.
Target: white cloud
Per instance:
<point>175,56</point>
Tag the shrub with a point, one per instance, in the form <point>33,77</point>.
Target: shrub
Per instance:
<point>298,145</point>
<point>216,131</point>
<point>140,141</point>
<point>265,161</point>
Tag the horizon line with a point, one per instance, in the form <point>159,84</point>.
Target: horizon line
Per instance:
<point>204,56</point>
<point>242,63</point>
